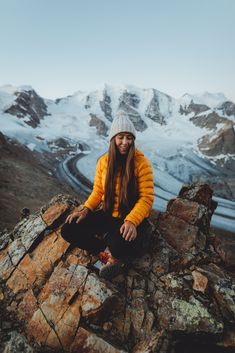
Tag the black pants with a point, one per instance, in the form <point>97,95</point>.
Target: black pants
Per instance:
<point>100,230</point>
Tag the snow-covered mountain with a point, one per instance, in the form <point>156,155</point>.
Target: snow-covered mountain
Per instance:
<point>174,134</point>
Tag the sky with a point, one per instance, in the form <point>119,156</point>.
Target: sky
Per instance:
<point>63,46</point>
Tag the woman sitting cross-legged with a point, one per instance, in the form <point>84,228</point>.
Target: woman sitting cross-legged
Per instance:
<point>124,186</point>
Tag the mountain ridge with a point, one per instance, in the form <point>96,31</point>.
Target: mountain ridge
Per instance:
<point>169,131</point>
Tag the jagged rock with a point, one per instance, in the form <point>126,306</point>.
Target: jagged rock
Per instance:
<point>200,281</point>
<point>86,341</point>
<point>200,193</point>
<point>209,121</point>
<point>223,288</point>
<point>60,142</point>
<point>153,110</point>
<point>186,222</point>
<point>157,342</point>
<point>219,147</point>
<point>130,99</point>
<point>62,147</point>
<point>26,233</point>
<point>225,247</point>
<point>101,128</point>
<point>191,212</point>
<point>105,106</point>
<point>187,315</point>
<point>28,106</point>
<point>224,292</point>
<point>128,103</point>
<point>181,235</point>
<point>227,108</point>
<point>17,343</point>
<point>223,142</point>
<point>3,141</point>
<point>193,108</point>
<point>64,305</point>
<point>4,239</point>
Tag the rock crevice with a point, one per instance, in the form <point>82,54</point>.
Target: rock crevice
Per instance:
<point>182,286</point>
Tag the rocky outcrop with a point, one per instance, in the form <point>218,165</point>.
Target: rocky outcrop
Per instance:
<point>223,142</point>
<point>28,106</point>
<point>220,146</point>
<point>181,287</point>
<point>3,141</point>
<point>105,106</point>
<point>193,108</point>
<point>153,110</point>
<point>129,102</point>
<point>26,179</point>
<point>209,121</point>
<point>130,99</point>
<point>228,108</point>
<point>100,126</point>
<point>62,147</point>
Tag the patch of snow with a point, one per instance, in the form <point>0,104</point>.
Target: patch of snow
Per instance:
<point>31,146</point>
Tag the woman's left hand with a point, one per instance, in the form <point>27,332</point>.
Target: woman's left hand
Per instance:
<point>128,231</point>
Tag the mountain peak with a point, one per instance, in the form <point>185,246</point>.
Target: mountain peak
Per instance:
<point>10,89</point>
<point>212,100</point>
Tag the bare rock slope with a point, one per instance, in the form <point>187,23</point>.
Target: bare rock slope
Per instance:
<point>26,181</point>
<point>183,286</point>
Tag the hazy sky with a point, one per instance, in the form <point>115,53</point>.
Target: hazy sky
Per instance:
<point>61,46</point>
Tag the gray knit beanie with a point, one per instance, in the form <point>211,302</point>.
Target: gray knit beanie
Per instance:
<point>121,123</point>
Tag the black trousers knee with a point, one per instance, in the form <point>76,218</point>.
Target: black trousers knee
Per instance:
<point>100,230</point>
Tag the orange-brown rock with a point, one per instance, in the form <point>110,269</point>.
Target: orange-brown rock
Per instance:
<point>200,281</point>
<point>190,211</point>
<point>87,342</point>
<point>63,305</point>
<point>52,213</point>
<point>178,233</point>
<point>35,267</point>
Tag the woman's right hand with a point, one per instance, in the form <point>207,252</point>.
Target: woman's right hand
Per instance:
<point>77,214</point>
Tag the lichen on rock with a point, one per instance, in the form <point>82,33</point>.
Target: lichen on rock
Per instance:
<point>179,287</point>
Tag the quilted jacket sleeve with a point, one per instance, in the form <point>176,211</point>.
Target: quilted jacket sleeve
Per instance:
<point>144,204</point>
<point>96,196</point>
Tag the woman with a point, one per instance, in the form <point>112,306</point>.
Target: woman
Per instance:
<point>124,187</point>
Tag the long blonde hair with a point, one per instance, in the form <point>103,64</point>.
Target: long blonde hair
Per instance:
<point>128,189</point>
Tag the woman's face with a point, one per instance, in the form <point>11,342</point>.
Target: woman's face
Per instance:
<point>123,142</point>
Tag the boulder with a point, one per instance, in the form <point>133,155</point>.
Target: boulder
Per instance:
<point>176,290</point>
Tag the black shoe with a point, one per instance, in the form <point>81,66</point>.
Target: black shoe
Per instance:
<point>109,271</point>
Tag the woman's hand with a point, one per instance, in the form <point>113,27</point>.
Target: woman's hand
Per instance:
<point>78,214</point>
<point>128,231</point>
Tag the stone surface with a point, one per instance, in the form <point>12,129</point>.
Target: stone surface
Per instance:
<point>178,233</point>
<point>88,342</point>
<point>225,247</point>
<point>200,281</point>
<point>178,287</point>
<point>17,343</point>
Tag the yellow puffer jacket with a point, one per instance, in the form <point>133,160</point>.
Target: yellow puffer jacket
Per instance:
<point>144,175</point>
